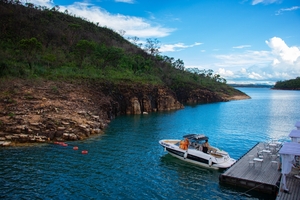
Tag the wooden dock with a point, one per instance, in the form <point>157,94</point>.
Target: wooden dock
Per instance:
<point>293,185</point>
<point>261,175</point>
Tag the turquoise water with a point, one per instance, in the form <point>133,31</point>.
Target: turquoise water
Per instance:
<point>127,162</point>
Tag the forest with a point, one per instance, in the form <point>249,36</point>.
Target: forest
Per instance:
<point>292,84</point>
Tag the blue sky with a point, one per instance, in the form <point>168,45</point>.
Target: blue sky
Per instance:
<point>245,41</point>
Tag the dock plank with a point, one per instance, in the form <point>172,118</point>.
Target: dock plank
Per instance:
<point>293,184</point>
<point>260,176</point>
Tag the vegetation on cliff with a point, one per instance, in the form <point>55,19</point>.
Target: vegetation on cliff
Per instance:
<point>292,84</point>
<point>39,42</point>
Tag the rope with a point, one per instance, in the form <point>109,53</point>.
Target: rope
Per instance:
<point>245,193</point>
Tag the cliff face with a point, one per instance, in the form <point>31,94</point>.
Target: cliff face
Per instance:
<point>138,99</point>
<point>199,96</point>
<point>44,110</point>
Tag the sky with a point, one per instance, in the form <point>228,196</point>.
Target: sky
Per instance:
<point>244,41</point>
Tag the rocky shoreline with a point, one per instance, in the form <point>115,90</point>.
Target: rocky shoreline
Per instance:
<point>48,111</point>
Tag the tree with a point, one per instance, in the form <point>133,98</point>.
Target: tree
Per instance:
<point>55,8</point>
<point>168,59</point>
<point>29,5</point>
<point>83,49</point>
<point>49,58</point>
<point>194,70</point>
<point>178,64</point>
<point>152,46</point>
<point>209,73</point>
<point>292,84</point>
<point>30,48</point>
<point>122,32</point>
<point>73,30</point>
<point>134,40</point>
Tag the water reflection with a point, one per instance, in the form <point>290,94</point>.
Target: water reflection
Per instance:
<point>281,110</point>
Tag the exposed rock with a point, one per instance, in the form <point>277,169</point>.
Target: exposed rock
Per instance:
<point>34,124</point>
<point>133,99</point>
<point>134,106</point>
<point>72,136</point>
<point>5,144</point>
<point>73,111</point>
<point>69,136</point>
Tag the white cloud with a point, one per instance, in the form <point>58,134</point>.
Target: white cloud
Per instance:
<point>275,62</point>
<point>176,47</point>
<point>287,9</point>
<point>255,76</point>
<point>281,62</point>
<point>242,46</point>
<point>133,26</point>
<point>254,2</point>
<point>283,53</point>
<point>245,59</point>
<point>47,3</point>
<point>286,62</point>
<point>224,73</point>
<point>125,1</point>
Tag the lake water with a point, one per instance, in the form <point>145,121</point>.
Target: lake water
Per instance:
<point>128,163</point>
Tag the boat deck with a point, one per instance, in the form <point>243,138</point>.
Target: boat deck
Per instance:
<point>260,175</point>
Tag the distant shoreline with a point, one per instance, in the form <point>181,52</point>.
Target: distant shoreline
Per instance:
<point>251,85</point>
<point>238,97</point>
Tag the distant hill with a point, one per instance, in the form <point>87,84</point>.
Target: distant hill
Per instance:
<point>292,84</point>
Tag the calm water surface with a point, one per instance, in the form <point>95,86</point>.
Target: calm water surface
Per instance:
<point>127,162</point>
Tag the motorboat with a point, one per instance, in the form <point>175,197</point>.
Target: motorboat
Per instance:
<point>197,152</point>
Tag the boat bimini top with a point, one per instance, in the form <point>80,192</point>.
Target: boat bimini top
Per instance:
<point>197,137</point>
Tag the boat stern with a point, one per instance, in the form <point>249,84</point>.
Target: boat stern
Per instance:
<point>168,143</point>
<point>228,163</point>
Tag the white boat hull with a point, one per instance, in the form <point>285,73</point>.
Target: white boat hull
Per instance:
<point>218,160</point>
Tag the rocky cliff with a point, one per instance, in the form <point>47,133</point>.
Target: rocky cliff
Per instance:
<point>43,111</point>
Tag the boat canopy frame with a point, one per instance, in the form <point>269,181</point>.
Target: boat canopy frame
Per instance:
<point>197,137</point>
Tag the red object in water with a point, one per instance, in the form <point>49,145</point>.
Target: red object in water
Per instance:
<point>61,143</point>
<point>75,148</point>
<point>84,152</point>
<point>64,144</point>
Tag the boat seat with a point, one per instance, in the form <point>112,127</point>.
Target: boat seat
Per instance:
<point>205,149</point>
<point>216,155</point>
<point>195,145</point>
<point>200,148</point>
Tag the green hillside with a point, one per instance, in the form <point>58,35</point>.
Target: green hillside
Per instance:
<point>292,84</point>
<point>47,43</point>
